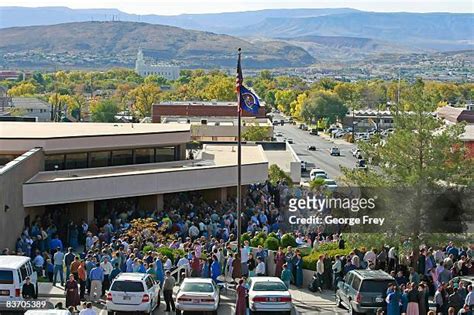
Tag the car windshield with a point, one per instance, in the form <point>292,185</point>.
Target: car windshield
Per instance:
<point>197,287</point>
<point>330,182</point>
<point>375,286</point>
<point>6,277</point>
<point>269,286</point>
<point>127,286</point>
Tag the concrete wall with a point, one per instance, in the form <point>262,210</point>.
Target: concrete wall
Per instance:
<point>200,131</point>
<point>12,177</point>
<point>120,186</point>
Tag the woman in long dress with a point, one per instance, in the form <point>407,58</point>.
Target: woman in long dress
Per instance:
<point>393,301</point>
<point>236,267</point>
<point>72,292</point>
<point>299,271</point>
<point>412,295</point>
<point>241,304</point>
<point>215,268</point>
<point>279,261</point>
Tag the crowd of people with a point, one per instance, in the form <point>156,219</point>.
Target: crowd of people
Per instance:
<point>84,259</point>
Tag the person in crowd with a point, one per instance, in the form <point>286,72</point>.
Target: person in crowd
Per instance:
<point>279,260</point>
<point>68,259</point>
<point>88,310</point>
<point>320,270</point>
<point>58,259</point>
<point>81,276</point>
<point>97,278</point>
<point>260,269</point>
<point>251,264</point>
<point>28,290</point>
<point>74,267</point>
<point>241,302</point>
<point>72,292</point>
<point>286,276</point>
<point>107,268</point>
<point>215,268</point>
<point>439,300</point>
<point>393,300</point>
<point>299,270</point>
<point>168,286</point>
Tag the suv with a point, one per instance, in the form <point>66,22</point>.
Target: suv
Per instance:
<point>363,291</point>
<point>335,151</point>
<point>132,292</point>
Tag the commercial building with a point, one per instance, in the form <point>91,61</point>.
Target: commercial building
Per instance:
<point>368,119</point>
<point>79,166</point>
<point>210,121</point>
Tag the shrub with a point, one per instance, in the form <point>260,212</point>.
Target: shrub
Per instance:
<point>166,251</point>
<point>309,262</point>
<point>288,240</point>
<point>327,246</point>
<point>274,235</point>
<point>261,235</point>
<point>246,237</point>
<point>148,248</point>
<point>256,241</point>
<point>272,243</point>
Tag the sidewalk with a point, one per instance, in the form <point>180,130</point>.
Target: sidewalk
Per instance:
<point>339,141</point>
<point>46,289</point>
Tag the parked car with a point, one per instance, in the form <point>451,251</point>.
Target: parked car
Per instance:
<point>132,292</point>
<point>335,151</point>
<point>13,272</point>
<point>268,294</point>
<point>361,164</point>
<point>330,184</point>
<point>198,295</point>
<point>313,131</point>
<point>290,140</point>
<point>303,166</point>
<point>317,173</point>
<point>304,127</point>
<point>311,148</point>
<point>278,134</point>
<point>363,291</point>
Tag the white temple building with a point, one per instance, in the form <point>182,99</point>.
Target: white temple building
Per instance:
<point>169,72</point>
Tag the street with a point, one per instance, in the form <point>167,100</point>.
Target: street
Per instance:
<point>319,158</point>
<point>305,303</point>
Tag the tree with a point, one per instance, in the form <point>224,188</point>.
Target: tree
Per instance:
<point>283,99</point>
<point>155,79</point>
<point>420,159</point>
<point>323,104</point>
<point>256,133</point>
<point>276,174</point>
<point>22,89</point>
<point>58,103</point>
<point>144,96</point>
<point>104,110</point>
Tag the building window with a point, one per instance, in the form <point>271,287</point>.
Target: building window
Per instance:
<point>165,154</point>
<point>54,162</point>
<point>122,157</point>
<point>76,160</point>
<point>143,156</point>
<point>99,159</point>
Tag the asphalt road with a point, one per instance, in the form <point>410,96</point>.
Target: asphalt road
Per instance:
<point>321,157</point>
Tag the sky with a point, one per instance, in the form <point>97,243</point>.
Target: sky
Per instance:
<point>172,7</point>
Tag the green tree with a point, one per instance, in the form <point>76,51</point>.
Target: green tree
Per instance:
<point>421,156</point>
<point>283,100</point>
<point>104,110</point>
<point>323,104</point>
<point>155,79</point>
<point>276,174</point>
<point>256,133</point>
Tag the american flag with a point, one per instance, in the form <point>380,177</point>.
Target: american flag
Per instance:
<point>239,78</point>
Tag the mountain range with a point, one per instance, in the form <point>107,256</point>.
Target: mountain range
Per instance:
<point>270,38</point>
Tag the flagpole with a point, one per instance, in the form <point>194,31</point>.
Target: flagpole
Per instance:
<point>239,168</point>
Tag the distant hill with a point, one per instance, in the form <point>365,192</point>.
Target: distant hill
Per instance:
<point>329,48</point>
<point>434,31</point>
<point>121,41</point>
<point>213,22</point>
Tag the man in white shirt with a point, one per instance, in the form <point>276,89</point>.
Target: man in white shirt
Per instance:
<point>470,297</point>
<point>370,257</point>
<point>320,270</point>
<point>88,310</point>
<point>244,258</point>
<point>107,267</point>
<point>336,270</point>
<point>260,270</point>
<point>183,261</point>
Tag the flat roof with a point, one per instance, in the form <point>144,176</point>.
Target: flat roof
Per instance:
<point>212,156</point>
<point>49,130</point>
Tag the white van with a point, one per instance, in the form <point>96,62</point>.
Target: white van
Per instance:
<point>13,272</point>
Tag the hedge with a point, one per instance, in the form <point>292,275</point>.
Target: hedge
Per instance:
<point>288,240</point>
<point>272,243</point>
<point>309,262</point>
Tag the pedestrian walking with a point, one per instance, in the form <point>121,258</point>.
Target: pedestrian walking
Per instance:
<point>168,286</point>
<point>72,292</point>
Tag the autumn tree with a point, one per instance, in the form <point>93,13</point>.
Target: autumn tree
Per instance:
<point>143,97</point>
<point>323,104</point>
<point>22,89</point>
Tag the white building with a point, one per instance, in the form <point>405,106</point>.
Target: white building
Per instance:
<point>167,71</point>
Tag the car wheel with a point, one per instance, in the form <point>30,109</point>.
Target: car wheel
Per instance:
<point>110,313</point>
<point>338,300</point>
<point>351,310</point>
<point>158,301</point>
